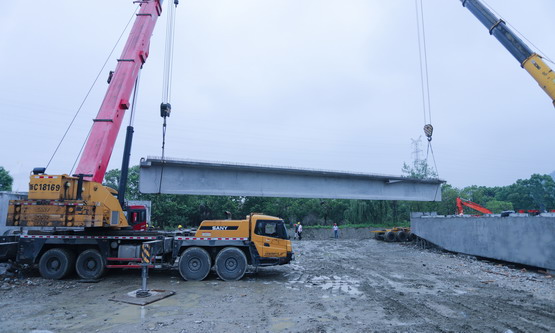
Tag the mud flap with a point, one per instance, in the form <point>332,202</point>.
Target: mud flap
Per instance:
<point>8,248</point>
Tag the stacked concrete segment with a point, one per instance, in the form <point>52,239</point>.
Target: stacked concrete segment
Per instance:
<point>528,240</point>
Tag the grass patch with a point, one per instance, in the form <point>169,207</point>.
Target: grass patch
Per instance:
<point>403,224</point>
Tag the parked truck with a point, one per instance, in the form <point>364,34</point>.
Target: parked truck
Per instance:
<point>73,223</point>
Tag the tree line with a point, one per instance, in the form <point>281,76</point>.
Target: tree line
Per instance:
<point>168,211</point>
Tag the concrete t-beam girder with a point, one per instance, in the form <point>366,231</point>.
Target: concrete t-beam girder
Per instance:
<point>208,178</point>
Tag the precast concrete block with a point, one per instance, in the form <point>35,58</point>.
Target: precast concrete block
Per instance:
<point>528,240</point>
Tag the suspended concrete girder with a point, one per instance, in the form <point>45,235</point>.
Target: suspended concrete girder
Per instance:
<point>208,178</point>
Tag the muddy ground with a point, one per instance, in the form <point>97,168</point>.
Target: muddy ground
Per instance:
<point>333,286</point>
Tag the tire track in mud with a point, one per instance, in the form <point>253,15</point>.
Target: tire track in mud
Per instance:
<point>326,274</point>
<point>486,301</point>
<point>332,286</point>
<point>471,309</point>
<point>491,307</point>
<point>432,300</point>
<point>413,310</point>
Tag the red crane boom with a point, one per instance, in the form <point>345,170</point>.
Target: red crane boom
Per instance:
<point>98,149</point>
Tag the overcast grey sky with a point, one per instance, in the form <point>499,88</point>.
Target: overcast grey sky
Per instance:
<point>323,84</point>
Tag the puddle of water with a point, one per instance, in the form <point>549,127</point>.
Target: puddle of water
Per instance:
<point>281,324</point>
<point>128,313</point>
<point>121,313</point>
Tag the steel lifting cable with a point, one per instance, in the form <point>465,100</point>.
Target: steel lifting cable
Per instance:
<point>424,78</point>
<point>168,59</point>
<point>423,57</point>
<point>134,99</point>
<point>87,96</point>
<point>165,106</point>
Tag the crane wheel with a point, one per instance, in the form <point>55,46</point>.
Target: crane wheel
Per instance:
<point>90,265</point>
<point>56,263</point>
<point>402,236</point>
<point>194,264</point>
<point>231,264</point>
<point>410,237</point>
<point>389,236</point>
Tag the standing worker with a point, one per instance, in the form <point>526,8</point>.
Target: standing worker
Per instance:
<point>335,231</point>
<point>295,231</point>
<point>300,230</point>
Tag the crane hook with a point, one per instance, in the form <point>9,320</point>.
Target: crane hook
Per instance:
<point>428,130</point>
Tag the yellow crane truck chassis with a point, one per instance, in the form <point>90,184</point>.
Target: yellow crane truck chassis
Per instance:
<point>228,246</point>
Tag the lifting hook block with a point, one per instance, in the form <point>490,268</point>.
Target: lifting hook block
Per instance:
<point>428,130</point>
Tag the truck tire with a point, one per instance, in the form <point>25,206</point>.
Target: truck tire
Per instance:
<point>194,264</point>
<point>231,264</point>
<point>90,265</point>
<point>56,263</point>
<point>402,236</point>
<point>389,236</point>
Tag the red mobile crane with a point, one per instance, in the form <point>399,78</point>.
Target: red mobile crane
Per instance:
<point>91,233</point>
<point>470,204</point>
<point>81,200</point>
